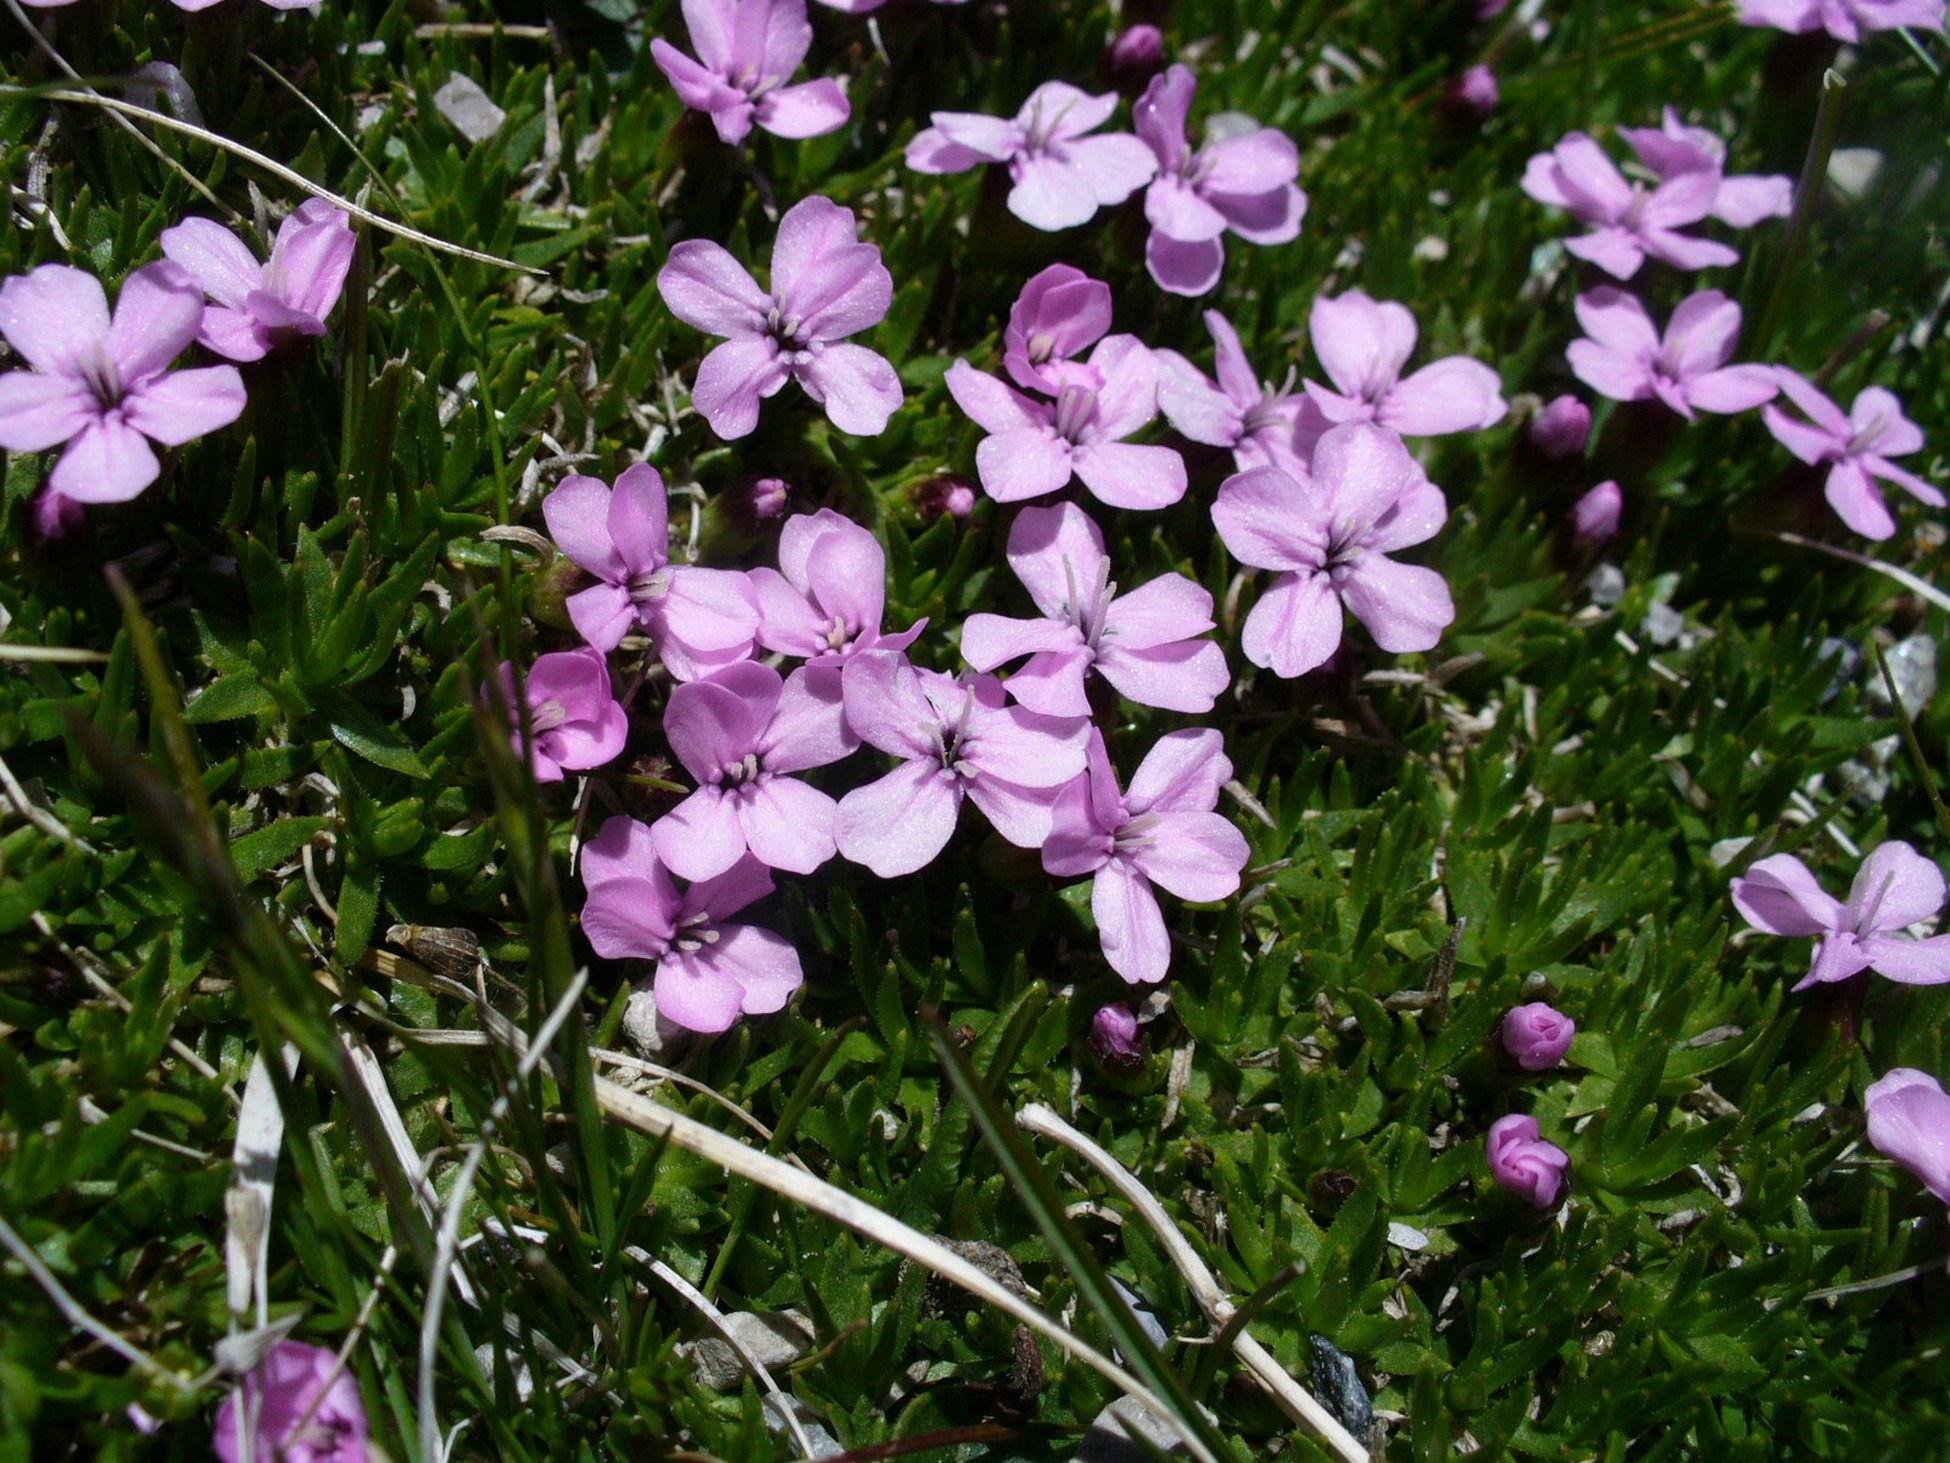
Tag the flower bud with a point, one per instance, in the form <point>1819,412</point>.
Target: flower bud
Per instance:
<point>1490,9</point>
<point>1114,1036</point>
<point>764,501</point>
<point>951,496</point>
<point>1473,94</point>
<point>1523,1163</point>
<point>1562,428</point>
<point>1594,518</point>
<point>1137,55</point>
<point>53,516</point>
<point>1537,1036</point>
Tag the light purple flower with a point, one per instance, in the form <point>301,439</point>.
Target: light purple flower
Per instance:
<point>1330,538</point>
<point>1628,222</point>
<point>1059,315</point>
<point>1594,517</point>
<point>1625,359</point>
<point>742,733</point>
<point>1144,643</point>
<point>1263,425</point>
<point>301,1408</point>
<point>1673,149</point>
<point>1035,447</point>
<point>709,973</point>
<point>1364,344</point>
<point>1137,53</point>
<point>1537,1035</point>
<point>867,7</point>
<point>104,387</point>
<point>1114,1035</point>
<point>699,619</point>
<point>747,49</point>
<point>1243,181</point>
<point>1909,1121</point>
<point>1163,831</point>
<point>1895,888</point>
<point>261,306</point>
<point>1561,428</point>
<point>1061,175</point>
<point>572,712</point>
<point>1845,20</point>
<point>1858,444</point>
<point>1473,94</point>
<point>826,285</point>
<point>955,739</point>
<point>824,601</point>
<point>1523,1163</point>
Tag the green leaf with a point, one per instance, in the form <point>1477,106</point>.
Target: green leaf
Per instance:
<point>358,730</point>
<point>231,699</point>
<point>266,847</point>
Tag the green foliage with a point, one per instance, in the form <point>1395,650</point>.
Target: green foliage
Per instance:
<point>274,749</point>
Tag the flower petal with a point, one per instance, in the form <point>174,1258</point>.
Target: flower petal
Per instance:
<point>108,461</point>
<point>215,258</point>
<point>577,514</point>
<point>157,315</point>
<point>1779,895</point>
<point>731,382</point>
<point>701,837</point>
<point>38,412</point>
<point>1130,474</point>
<point>788,824</point>
<point>1405,606</point>
<point>811,109</point>
<point>900,822</point>
<point>185,405</point>
<point>56,317</point>
<point>1130,924</point>
<point>1196,856</point>
<point>1295,626</point>
<point>858,387</point>
<point>704,286</point>
<point>1025,463</point>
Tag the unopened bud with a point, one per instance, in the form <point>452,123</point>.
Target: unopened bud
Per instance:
<point>1595,517</point>
<point>1561,428</point>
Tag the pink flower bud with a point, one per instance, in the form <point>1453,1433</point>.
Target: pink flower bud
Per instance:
<point>1562,428</point>
<point>1594,518</point>
<point>1137,54</point>
<point>951,496</point>
<point>764,501</point>
<point>1490,9</point>
<point>1537,1036</point>
<point>1522,1163</point>
<point>307,1410</point>
<point>1114,1035</point>
<point>1473,94</point>
<point>53,516</point>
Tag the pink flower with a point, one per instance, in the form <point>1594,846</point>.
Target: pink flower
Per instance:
<point>1329,537</point>
<point>708,973</point>
<point>1243,181</point>
<point>1625,359</point>
<point>1537,1035</point>
<point>1035,447</point>
<point>1594,518</point>
<point>104,387</point>
<point>1909,1121</point>
<point>1895,888</point>
<point>748,48</point>
<point>1060,313</point>
<point>1523,1163</point>
<point>866,7</point>
<point>1263,425</point>
<point>301,1408</point>
<point>1364,344</point>
<point>1474,93</point>
<point>823,603</point>
<point>1163,831</point>
<point>1845,20</point>
<point>742,733</point>
<point>1858,444</point>
<point>1114,1036</point>
<point>955,739</point>
<point>1627,222</point>
<point>1561,428</point>
<point>698,619</point>
<point>1144,643</point>
<point>572,713</point>
<point>825,286</point>
<point>1061,175</point>
<point>261,306</point>
<point>1672,149</point>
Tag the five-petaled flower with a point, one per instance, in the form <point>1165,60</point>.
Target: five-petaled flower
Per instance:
<point>1145,643</point>
<point>1523,1162</point>
<point>1035,447</point>
<point>1162,831</point>
<point>824,601</point>
<point>826,285</point>
<point>298,1405</point>
<point>709,973</point>
<point>747,50</point>
<point>573,717</point>
<point>261,306</point>
<point>1364,344</point>
<point>1060,313</point>
<point>1673,149</point>
<point>1062,176</point>
<point>955,739</point>
<point>1265,426</point>
<point>1895,888</point>
<point>1909,1121</point>
<point>1857,444</point>
<point>1625,359</point>
<point>103,385</point>
<point>1628,221</point>
<point>1242,180</point>
<point>742,733</point>
<point>699,620</point>
<point>1329,537</point>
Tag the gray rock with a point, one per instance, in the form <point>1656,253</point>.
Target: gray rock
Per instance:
<point>471,110</point>
<point>1110,1439</point>
<point>775,1338</point>
<point>1912,665</point>
<point>1339,1387</point>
